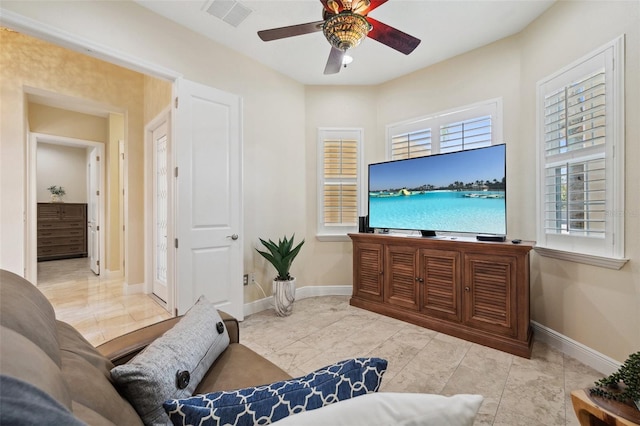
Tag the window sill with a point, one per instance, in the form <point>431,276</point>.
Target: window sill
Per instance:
<point>333,237</point>
<point>587,259</point>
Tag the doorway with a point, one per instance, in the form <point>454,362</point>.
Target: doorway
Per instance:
<point>221,255</point>
<point>73,163</point>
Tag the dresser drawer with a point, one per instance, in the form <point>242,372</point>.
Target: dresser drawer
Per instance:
<point>61,224</point>
<point>60,241</point>
<point>60,233</point>
<point>64,250</point>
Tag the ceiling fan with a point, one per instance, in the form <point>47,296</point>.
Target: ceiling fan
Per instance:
<point>345,24</point>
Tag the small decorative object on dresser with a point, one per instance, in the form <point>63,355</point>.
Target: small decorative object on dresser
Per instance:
<point>57,192</point>
<point>281,256</point>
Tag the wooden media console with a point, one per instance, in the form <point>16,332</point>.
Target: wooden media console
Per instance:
<point>477,291</point>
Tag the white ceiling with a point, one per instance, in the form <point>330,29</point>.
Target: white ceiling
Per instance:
<point>446,27</point>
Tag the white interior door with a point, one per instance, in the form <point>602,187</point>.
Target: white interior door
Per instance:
<point>160,141</point>
<point>93,211</point>
<point>207,142</point>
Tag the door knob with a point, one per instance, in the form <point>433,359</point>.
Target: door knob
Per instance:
<point>233,237</point>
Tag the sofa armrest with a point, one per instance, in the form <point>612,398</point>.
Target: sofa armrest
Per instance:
<point>233,328</point>
<point>122,348</point>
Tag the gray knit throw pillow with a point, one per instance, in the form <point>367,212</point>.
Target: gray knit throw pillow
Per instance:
<point>172,366</point>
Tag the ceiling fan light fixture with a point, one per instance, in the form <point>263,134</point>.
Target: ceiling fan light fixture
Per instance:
<point>346,30</point>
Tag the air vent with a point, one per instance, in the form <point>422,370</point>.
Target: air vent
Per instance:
<point>230,11</point>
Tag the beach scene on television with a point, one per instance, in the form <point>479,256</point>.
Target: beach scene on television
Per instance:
<point>458,192</point>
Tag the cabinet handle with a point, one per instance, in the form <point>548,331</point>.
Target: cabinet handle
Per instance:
<point>381,272</point>
<point>467,289</point>
<point>420,280</point>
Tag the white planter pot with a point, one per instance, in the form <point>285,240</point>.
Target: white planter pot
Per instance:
<point>284,294</point>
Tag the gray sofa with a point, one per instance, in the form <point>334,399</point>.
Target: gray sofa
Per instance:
<point>52,375</point>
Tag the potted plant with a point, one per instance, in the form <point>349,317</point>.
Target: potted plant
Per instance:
<point>281,256</point>
<point>623,385</point>
<point>57,192</point>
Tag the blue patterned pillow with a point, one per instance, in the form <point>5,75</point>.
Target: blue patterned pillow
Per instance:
<point>265,404</point>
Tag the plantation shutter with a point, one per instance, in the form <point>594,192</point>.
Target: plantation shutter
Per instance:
<point>581,160</point>
<point>411,145</point>
<point>467,127</point>
<point>339,168</point>
<point>466,134</point>
<point>574,150</point>
<point>340,186</point>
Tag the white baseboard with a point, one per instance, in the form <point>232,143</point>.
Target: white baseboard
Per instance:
<point>301,293</point>
<point>133,288</point>
<point>577,350</point>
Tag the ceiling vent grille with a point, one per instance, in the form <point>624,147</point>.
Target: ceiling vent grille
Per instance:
<point>230,11</point>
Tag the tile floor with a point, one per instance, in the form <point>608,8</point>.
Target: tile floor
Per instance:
<point>323,330</point>
<point>95,306</point>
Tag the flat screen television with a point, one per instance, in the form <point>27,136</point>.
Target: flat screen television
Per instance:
<point>458,192</point>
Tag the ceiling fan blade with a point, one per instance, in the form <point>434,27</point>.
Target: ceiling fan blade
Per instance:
<point>290,31</point>
<point>394,38</point>
<point>334,63</point>
<point>373,4</point>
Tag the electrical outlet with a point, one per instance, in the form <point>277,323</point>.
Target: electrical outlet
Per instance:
<point>245,279</point>
<point>252,278</point>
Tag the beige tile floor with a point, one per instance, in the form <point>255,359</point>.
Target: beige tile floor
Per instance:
<point>323,330</point>
<point>95,306</point>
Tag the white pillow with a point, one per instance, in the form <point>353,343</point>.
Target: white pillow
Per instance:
<point>397,409</point>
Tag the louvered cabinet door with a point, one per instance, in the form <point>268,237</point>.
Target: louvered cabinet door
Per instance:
<point>367,271</point>
<point>440,279</point>
<point>401,286</point>
<point>490,293</point>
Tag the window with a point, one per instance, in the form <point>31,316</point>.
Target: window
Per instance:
<point>339,168</point>
<point>472,126</point>
<point>581,159</point>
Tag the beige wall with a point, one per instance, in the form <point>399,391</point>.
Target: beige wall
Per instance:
<point>114,194</point>
<point>333,106</point>
<point>157,97</point>
<point>61,122</point>
<point>64,166</point>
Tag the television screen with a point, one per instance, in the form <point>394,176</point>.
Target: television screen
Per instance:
<point>462,191</point>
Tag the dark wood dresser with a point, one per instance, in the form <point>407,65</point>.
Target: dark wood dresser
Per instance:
<point>62,230</point>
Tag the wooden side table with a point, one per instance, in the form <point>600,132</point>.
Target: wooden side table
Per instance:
<point>590,412</point>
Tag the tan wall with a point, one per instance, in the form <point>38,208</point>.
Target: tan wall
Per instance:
<point>334,106</point>
<point>157,97</point>
<point>114,193</point>
<point>62,122</point>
